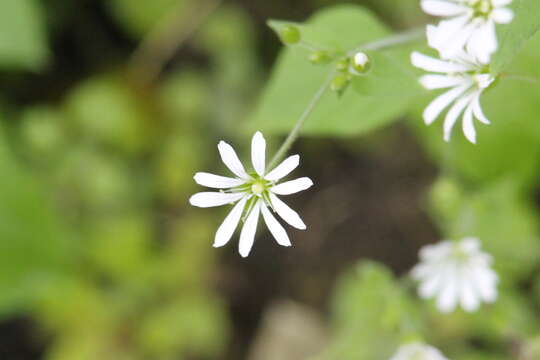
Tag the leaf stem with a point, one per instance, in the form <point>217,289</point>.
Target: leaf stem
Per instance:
<point>295,132</point>
<point>398,39</point>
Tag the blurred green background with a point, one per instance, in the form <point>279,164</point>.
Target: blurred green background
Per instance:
<point>108,108</point>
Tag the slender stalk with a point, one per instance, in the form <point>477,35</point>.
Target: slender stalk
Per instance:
<point>162,42</point>
<point>528,79</point>
<point>295,132</point>
<point>398,39</point>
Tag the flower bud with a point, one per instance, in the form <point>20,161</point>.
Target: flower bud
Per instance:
<point>320,57</point>
<point>340,83</point>
<point>360,64</point>
<point>343,65</point>
<point>290,35</point>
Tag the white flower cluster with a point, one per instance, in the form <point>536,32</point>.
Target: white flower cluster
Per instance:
<point>456,273</point>
<point>466,39</point>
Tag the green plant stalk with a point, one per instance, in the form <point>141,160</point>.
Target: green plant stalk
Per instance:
<point>390,41</point>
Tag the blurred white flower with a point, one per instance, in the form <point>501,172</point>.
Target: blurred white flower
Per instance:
<point>456,273</point>
<point>418,351</point>
<point>253,193</point>
<point>467,78</point>
<point>470,26</point>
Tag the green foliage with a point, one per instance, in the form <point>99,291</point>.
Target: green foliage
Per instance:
<point>23,39</point>
<point>34,244</point>
<point>371,314</point>
<point>294,81</point>
<point>514,36</point>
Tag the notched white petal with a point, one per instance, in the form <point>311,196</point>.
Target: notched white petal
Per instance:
<point>217,181</point>
<point>212,199</point>
<point>230,159</point>
<point>442,8</point>
<point>292,187</point>
<point>229,225</point>
<point>275,227</point>
<point>286,213</point>
<point>428,63</point>
<point>247,236</point>
<point>258,153</point>
<point>437,106</point>
<point>284,169</point>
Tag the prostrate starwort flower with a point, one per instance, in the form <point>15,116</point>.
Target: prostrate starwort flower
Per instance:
<point>470,26</point>
<point>418,351</point>
<point>253,193</point>
<point>467,78</point>
<point>456,273</point>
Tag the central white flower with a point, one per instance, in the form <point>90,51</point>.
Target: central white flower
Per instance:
<point>456,272</point>
<point>471,25</point>
<point>253,194</point>
<point>418,351</point>
<point>467,79</point>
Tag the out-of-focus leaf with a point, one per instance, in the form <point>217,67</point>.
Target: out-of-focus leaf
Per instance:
<point>371,313</point>
<point>34,245</point>
<point>42,131</point>
<point>513,37</point>
<point>295,81</point>
<point>139,17</point>
<point>106,109</point>
<point>23,43</point>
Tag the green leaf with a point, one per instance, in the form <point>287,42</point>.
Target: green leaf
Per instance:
<point>23,43</point>
<point>34,246</point>
<point>512,37</point>
<point>295,81</point>
<point>370,313</point>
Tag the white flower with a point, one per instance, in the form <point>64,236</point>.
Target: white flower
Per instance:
<point>471,26</point>
<point>467,79</point>
<point>418,351</point>
<point>456,272</point>
<point>253,194</point>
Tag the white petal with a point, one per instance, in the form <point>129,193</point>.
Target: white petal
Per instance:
<point>430,286</point>
<point>211,199</point>
<point>227,228</point>
<point>292,187</point>
<point>275,227</point>
<point>258,153</point>
<point>502,16</point>
<point>216,181</point>
<point>501,3</point>
<point>477,110</point>
<point>247,236</point>
<point>486,284</point>
<point>428,63</point>
<point>483,42</point>
<point>229,158</point>
<point>470,245</point>
<point>455,111</point>
<point>468,125</point>
<point>449,36</point>
<point>442,8</point>
<point>432,82</point>
<point>468,298</point>
<point>442,102</point>
<point>284,169</point>
<point>286,213</point>
<point>448,296</point>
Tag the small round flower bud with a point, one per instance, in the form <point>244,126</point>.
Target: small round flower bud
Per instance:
<point>290,35</point>
<point>320,57</point>
<point>340,83</point>
<point>360,64</point>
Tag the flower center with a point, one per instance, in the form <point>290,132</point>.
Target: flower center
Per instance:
<point>481,8</point>
<point>258,188</point>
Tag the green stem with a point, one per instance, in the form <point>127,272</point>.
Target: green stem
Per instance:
<point>390,41</point>
<point>528,79</point>
<point>295,132</point>
<point>398,39</point>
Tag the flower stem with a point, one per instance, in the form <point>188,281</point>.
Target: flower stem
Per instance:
<point>295,132</point>
<point>398,39</point>
<point>389,41</point>
<point>528,79</point>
